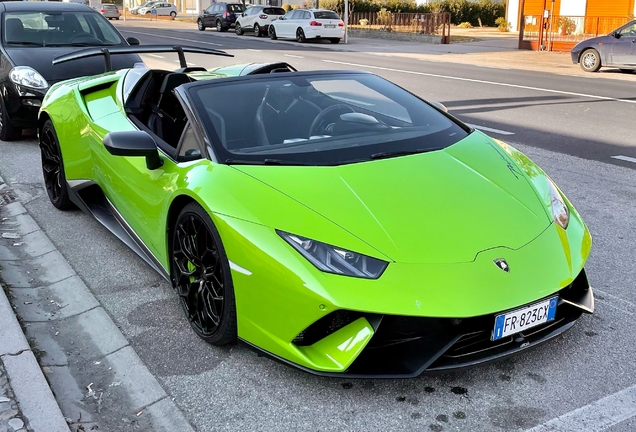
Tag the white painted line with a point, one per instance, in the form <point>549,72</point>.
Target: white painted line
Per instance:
<point>625,158</point>
<point>595,417</point>
<point>487,129</point>
<point>239,269</point>
<point>171,37</point>
<point>255,50</point>
<point>188,63</point>
<point>155,55</point>
<point>589,96</point>
<point>294,56</point>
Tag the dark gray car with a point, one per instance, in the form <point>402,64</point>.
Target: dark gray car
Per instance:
<point>617,49</point>
<point>222,16</point>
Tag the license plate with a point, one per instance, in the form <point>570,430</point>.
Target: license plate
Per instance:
<point>524,318</point>
<point>330,26</point>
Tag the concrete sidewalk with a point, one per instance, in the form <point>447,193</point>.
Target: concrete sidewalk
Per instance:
<point>492,49</point>
<point>26,401</point>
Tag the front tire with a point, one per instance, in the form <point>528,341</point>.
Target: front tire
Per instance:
<point>53,168</point>
<point>7,132</point>
<point>173,14</point>
<point>272,32</point>
<point>201,276</point>
<point>300,35</point>
<point>257,30</point>
<point>200,25</point>
<point>238,29</point>
<point>590,60</point>
<point>334,40</point>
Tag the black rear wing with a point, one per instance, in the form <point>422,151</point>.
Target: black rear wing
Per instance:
<point>137,49</point>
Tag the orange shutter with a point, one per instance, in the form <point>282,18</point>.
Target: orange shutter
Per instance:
<point>603,16</point>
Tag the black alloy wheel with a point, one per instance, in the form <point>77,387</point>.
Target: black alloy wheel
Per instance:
<point>7,132</point>
<point>257,30</point>
<point>300,35</point>
<point>201,276</point>
<point>272,32</point>
<point>238,29</point>
<point>53,168</point>
<point>200,25</point>
<point>219,26</point>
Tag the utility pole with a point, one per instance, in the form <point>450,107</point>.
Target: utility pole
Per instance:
<point>522,22</point>
<point>346,21</point>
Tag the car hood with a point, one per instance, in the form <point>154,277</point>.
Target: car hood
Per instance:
<point>439,207</point>
<point>591,42</point>
<point>40,59</point>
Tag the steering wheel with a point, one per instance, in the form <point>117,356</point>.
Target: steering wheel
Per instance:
<point>84,37</point>
<point>317,125</point>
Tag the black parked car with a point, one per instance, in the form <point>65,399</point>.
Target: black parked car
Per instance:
<point>617,49</point>
<point>33,33</point>
<point>220,15</point>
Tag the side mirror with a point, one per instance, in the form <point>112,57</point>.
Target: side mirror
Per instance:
<point>134,143</point>
<point>439,105</point>
<point>132,40</point>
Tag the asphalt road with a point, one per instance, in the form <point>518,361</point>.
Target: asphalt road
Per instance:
<point>572,137</point>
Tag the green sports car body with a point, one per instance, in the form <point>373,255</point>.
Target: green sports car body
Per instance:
<point>328,219</point>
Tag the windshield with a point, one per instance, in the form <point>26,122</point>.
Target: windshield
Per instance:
<point>58,29</point>
<point>318,119</point>
<point>326,15</point>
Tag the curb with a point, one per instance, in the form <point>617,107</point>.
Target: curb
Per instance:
<point>56,279</point>
<point>31,389</point>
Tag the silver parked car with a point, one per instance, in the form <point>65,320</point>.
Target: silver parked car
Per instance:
<point>160,8</point>
<point>110,11</point>
<point>135,10</point>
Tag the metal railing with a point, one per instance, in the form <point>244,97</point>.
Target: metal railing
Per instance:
<point>418,23</point>
<point>569,28</point>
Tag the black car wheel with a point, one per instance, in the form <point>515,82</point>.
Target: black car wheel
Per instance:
<point>334,40</point>
<point>219,26</point>
<point>7,132</point>
<point>272,32</point>
<point>590,60</point>
<point>300,35</point>
<point>173,14</point>
<point>53,168</point>
<point>201,276</point>
<point>200,25</point>
<point>257,30</point>
<point>238,29</point>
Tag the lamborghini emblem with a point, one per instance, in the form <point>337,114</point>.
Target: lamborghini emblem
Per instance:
<point>502,264</point>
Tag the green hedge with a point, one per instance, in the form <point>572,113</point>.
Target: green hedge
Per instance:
<point>461,10</point>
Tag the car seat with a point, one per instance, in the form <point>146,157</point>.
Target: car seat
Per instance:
<point>167,119</point>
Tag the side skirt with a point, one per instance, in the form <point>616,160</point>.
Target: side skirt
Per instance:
<point>89,197</point>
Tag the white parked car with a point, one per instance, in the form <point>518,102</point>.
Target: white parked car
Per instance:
<point>161,8</point>
<point>303,24</point>
<point>135,10</point>
<point>257,19</point>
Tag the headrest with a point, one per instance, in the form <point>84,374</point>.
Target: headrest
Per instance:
<point>172,81</point>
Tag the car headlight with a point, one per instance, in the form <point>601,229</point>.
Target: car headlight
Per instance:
<point>335,260</point>
<point>28,77</point>
<point>560,210</point>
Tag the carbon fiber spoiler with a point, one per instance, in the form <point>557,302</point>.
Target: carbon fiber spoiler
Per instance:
<point>137,49</point>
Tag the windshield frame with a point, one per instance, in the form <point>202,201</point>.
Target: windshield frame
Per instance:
<point>218,153</point>
<point>96,16</point>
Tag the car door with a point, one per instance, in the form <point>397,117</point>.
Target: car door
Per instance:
<point>253,16</point>
<point>623,47</point>
<point>244,19</point>
<point>285,24</point>
<point>208,18</point>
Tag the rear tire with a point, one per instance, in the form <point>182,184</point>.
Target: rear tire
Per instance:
<point>173,14</point>
<point>590,60</point>
<point>272,32</point>
<point>200,273</point>
<point>334,40</point>
<point>300,35</point>
<point>257,30</point>
<point>7,132</point>
<point>238,29</point>
<point>219,26</point>
<point>200,25</point>
<point>53,168</point>
<point>117,19</point>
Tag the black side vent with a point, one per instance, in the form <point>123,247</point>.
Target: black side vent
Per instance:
<point>325,326</point>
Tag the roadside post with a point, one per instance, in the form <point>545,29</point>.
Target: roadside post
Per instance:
<point>346,21</point>
<point>154,12</point>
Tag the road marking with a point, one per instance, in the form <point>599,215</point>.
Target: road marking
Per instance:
<point>625,158</point>
<point>255,50</point>
<point>487,129</point>
<point>595,417</point>
<point>155,55</point>
<point>294,56</point>
<point>188,63</point>
<point>172,37</point>
<point>486,82</point>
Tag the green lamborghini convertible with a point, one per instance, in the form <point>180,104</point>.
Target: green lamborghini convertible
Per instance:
<point>328,219</point>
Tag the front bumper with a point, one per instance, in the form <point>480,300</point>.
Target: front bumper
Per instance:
<point>575,55</point>
<point>22,106</point>
<point>406,347</point>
